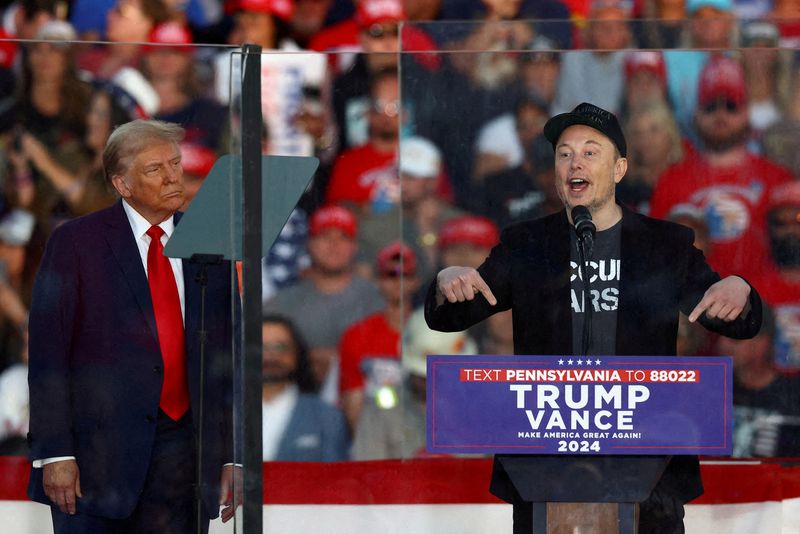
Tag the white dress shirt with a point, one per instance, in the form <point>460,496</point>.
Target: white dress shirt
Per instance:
<point>275,418</point>
<point>140,226</point>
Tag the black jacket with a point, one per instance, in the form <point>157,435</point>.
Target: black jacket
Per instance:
<point>661,274</point>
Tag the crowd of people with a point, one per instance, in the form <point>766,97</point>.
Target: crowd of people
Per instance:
<point>425,155</point>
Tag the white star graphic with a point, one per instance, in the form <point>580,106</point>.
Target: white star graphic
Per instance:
<point>588,362</point>
<point>597,362</point>
<point>561,362</point>
<point>569,362</point>
<point>580,362</point>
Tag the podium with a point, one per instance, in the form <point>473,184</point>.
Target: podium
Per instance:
<point>568,491</point>
<point>585,439</point>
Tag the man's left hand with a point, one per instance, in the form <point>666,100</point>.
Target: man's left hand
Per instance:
<point>230,495</point>
<point>726,300</point>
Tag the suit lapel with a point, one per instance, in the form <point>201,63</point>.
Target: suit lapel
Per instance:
<point>191,293</point>
<point>557,254</point>
<point>121,241</point>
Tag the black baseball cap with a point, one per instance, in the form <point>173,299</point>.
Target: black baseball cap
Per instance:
<point>588,115</point>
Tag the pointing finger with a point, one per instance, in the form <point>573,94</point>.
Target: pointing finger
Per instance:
<point>485,291</point>
<point>698,310</point>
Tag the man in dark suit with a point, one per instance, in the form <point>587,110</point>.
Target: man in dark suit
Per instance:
<point>644,271</point>
<point>114,358</point>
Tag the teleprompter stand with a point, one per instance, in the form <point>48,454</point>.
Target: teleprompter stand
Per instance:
<point>598,492</point>
<point>219,226</point>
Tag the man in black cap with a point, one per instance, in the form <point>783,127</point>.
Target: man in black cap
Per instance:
<point>647,271</point>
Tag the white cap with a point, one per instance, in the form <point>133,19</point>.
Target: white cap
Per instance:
<point>419,341</point>
<point>419,158</point>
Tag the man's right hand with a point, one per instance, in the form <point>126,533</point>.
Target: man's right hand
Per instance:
<point>62,484</point>
<point>457,284</point>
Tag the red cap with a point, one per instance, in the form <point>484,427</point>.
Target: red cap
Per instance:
<point>279,8</point>
<point>722,77</point>
<point>374,11</point>
<point>472,229</point>
<point>171,33</point>
<point>197,159</point>
<point>397,258</point>
<point>646,60</point>
<point>329,217</point>
<point>787,194</point>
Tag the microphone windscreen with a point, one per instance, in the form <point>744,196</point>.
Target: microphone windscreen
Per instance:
<point>580,213</point>
<point>582,219</point>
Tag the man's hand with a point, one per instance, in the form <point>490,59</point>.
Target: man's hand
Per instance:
<point>62,484</point>
<point>230,491</point>
<point>457,284</point>
<point>725,300</point>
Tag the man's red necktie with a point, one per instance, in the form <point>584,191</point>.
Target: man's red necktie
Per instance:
<point>167,308</point>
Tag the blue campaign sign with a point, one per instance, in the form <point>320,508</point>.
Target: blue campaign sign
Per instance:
<point>580,405</point>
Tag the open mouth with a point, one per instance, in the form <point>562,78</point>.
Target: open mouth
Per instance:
<point>578,184</point>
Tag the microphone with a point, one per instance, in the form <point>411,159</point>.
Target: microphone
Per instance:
<point>584,227</point>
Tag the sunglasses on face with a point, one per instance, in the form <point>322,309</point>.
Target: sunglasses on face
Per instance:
<point>376,31</point>
<point>726,105</point>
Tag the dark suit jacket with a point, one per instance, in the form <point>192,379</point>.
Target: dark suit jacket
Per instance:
<point>95,369</point>
<point>661,274</point>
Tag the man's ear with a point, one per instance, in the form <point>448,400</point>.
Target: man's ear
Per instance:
<point>620,168</point>
<point>121,185</point>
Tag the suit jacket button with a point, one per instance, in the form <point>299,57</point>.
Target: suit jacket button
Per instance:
<point>157,369</point>
<point>149,418</point>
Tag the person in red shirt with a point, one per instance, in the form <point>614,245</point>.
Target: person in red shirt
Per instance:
<point>365,177</point>
<point>374,30</point>
<point>370,349</point>
<point>728,183</point>
<point>780,285</point>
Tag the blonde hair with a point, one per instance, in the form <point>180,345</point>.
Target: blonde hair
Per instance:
<point>664,117</point>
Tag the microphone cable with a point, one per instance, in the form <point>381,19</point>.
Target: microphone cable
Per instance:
<point>586,338</point>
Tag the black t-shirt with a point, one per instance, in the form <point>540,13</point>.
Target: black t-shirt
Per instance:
<point>604,271</point>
